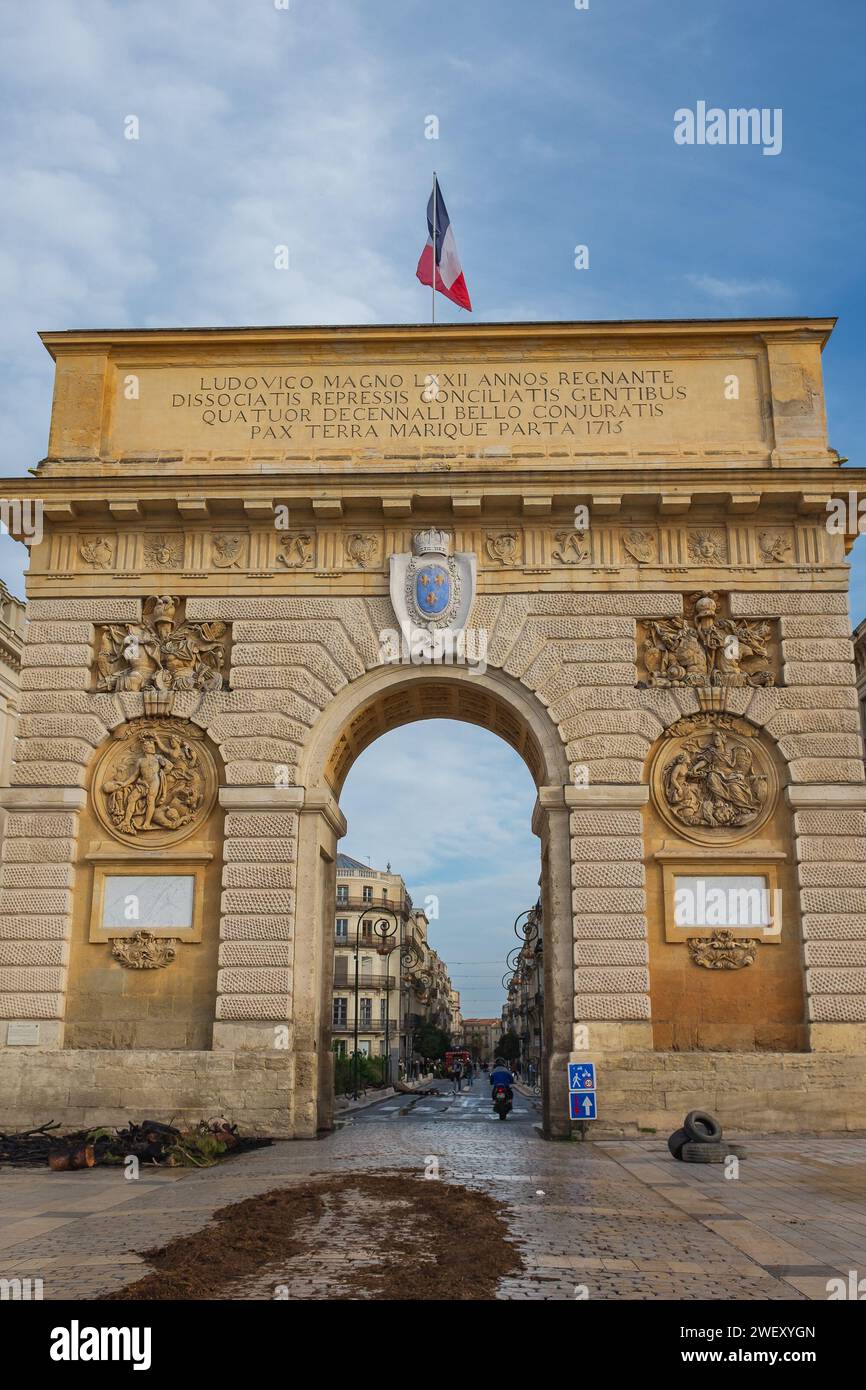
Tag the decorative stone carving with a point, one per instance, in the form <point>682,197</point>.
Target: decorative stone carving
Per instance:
<point>431,588</point>
<point>712,779</point>
<point>724,950</point>
<point>160,653</point>
<point>297,550</point>
<point>98,552</point>
<point>708,547</point>
<point>144,951</point>
<point>155,780</point>
<point>705,649</point>
<point>362,549</point>
<point>640,545</point>
<point>226,551</point>
<point>775,546</point>
<point>571,549</point>
<point>163,552</point>
<point>503,547</point>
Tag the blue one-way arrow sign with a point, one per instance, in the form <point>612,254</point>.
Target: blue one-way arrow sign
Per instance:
<point>581,1076</point>
<point>581,1105</point>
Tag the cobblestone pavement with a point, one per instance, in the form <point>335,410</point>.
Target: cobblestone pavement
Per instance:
<point>471,1103</point>
<point>619,1219</point>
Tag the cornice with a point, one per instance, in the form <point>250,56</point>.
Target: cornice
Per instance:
<point>162,341</point>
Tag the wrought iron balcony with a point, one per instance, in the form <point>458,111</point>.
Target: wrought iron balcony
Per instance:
<point>374,1025</point>
<point>356,902</point>
<point>366,980</point>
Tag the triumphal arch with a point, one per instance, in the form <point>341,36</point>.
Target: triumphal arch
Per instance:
<point>262,548</point>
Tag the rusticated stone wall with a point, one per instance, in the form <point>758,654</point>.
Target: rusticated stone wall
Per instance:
<point>574,652</point>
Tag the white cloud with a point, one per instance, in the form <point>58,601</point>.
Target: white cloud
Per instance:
<point>736,290</point>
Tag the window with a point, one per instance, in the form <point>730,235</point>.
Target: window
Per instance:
<point>341,1012</point>
<point>365,1015</point>
<point>343,928</point>
<point>382,1009</point>
<point>342,892</point>
<point>367,928</point>
<point>367,893</point>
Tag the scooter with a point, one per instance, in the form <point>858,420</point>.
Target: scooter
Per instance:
<point>501,1101</point>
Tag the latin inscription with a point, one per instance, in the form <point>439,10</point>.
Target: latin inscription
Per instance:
<point>612,403</point>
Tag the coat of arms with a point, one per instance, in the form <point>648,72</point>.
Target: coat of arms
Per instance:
<point>430,588</point>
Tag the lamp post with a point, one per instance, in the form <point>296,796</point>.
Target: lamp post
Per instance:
<point>418,977</point>
<point>387,934</point>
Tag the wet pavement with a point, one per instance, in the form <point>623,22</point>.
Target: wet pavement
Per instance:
<point>609,1220</point>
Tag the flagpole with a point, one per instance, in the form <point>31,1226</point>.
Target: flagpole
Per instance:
<point>433,277</point>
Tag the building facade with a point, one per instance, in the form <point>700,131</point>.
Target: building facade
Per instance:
<point>481,1036</point>
<point>523,1011</point>
<point>630,521</point>
<point>372,908</point>
<point>12,630</point>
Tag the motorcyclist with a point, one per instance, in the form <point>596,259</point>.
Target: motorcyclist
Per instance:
<point>501,1076</point>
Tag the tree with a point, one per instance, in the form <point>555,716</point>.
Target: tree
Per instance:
<point>430,1041</point>
<point>508,1047</point>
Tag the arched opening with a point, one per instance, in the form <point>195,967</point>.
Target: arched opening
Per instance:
<point>385,700</point>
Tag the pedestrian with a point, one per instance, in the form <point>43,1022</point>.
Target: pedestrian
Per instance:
<point>457,1075</point>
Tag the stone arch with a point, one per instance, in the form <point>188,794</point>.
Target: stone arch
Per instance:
<point>368,707</point>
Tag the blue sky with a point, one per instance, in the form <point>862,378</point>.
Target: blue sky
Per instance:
<point>305,126</point>
<point>449,805</point>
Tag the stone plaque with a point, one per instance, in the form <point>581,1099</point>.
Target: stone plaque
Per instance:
<point>161,900</point>
<point>586,404</point>
<point>22,1034</point>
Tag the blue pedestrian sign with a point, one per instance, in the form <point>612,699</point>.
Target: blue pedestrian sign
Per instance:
<point>581,1105</point>
<point>581,1076</point>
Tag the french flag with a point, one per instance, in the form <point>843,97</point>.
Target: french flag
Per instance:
<point>449,271</point>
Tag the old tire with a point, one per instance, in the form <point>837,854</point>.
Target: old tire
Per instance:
<point>704,1153</point>
<point>702,1127</point>
<point>734,1150</point>
<point>676,1142</point>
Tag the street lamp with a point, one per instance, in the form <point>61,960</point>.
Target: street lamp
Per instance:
<point>387,934</point>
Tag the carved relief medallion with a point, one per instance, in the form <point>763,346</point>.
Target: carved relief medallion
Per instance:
<point>98,552</point>
<point>163,552</point>
<point>708,547</point>
<point>162,652</point>
<point>775,546</point>
<point>155,783</point>
<point>226,551</point>
<point>362,549</point>
<point>503,547</point>
<point>297,550</point>
<point>640,545</point>
<point>571,549</point>
<point>712,780</point>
